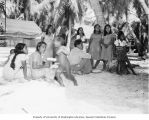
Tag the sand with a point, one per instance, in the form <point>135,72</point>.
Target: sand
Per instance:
<point>100,93</point>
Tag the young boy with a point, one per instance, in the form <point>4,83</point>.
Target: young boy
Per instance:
<point>80,61</point>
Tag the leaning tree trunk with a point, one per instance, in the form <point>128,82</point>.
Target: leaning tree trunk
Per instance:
<point>69,34</point>
<point>145,7</point>
<point>98,12</point>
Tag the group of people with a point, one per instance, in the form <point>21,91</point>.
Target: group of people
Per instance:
<point>53,61</point>
<point>104,46</point>
<point>21,66</point>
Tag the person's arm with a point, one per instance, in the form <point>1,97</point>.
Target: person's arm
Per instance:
<point>102,42</point>
<point>64,50</point>
<point>35,62</point>
<point>6,61</point>
<point>24,69</point>
<point>35,65</point>
<point>112,40</point>
<point>90,41</point>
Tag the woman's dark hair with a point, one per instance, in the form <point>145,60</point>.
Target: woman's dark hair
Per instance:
<point>105,32</point>
<point>39,45</point>
<point>18,50</point>
<point>120,33</point>
<point>79,30</point>
<point>48,27</point>
<point>61,39</point>
<point>77,42</point>
<point>95,30</point>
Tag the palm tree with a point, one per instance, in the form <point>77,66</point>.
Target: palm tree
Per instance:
<point>144,4</point>
<point>66,12</point>
<point>98,12</point>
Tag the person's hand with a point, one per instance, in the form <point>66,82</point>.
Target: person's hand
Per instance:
<point>46,65</point>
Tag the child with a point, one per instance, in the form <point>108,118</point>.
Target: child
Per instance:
<point>16,67</point>
<point>122,58</point>
<point>95,46</point>
<point>40,68</point>
<point>64,65</point>
<point>81,35</point>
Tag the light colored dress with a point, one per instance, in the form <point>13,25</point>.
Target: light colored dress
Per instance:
<point>17,73</point>
<point>95,47</point>
<point>48,73</point>
<point>49,49</point>
<point>107,53</point>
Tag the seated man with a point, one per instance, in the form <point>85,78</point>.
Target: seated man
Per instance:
<point>80,60</point>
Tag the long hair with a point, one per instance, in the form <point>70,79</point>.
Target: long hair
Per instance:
<point>105,32</point>
<point>60,38</point>
<point>95,28</point>
<point>120,33</point>
<point>39,44</point>
<point>47,29</point>
<point>79,30</point>
<point>18,50</point>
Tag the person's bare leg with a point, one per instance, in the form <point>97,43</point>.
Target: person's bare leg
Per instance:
<point>92,62</point>
<point>59,79</point>
<point>130,66</point>
<point>104,65</point>
<point>96,64</point>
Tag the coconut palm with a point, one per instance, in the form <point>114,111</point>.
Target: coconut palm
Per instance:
<point>66,13</point>
<point>142,7</point>
<point>116,7</point>
<point>98,12</point>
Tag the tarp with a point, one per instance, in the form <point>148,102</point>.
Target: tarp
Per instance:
<point>21,28</point>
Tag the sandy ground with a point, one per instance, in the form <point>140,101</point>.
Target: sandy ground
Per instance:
<point>96,94</point>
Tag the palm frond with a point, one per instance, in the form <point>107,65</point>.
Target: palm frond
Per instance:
<point>67,9</point>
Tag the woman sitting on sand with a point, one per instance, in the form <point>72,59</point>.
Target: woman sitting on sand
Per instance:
<point>123,63</point>
<point>40,67</point>
<point>16,67</point>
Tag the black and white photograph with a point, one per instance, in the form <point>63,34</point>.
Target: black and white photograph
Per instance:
<point>74,59</point>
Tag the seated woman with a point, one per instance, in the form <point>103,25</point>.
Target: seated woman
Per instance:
<point>123,62</point>
<point>64,65</point>
<point>40,68</point>
<point>80,61</point>
<point>16,68</point>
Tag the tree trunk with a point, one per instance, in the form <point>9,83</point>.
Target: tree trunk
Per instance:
<point>69,34</point>
<point>145,7</point>
<point>98,12</point>
<point>126,14</point>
